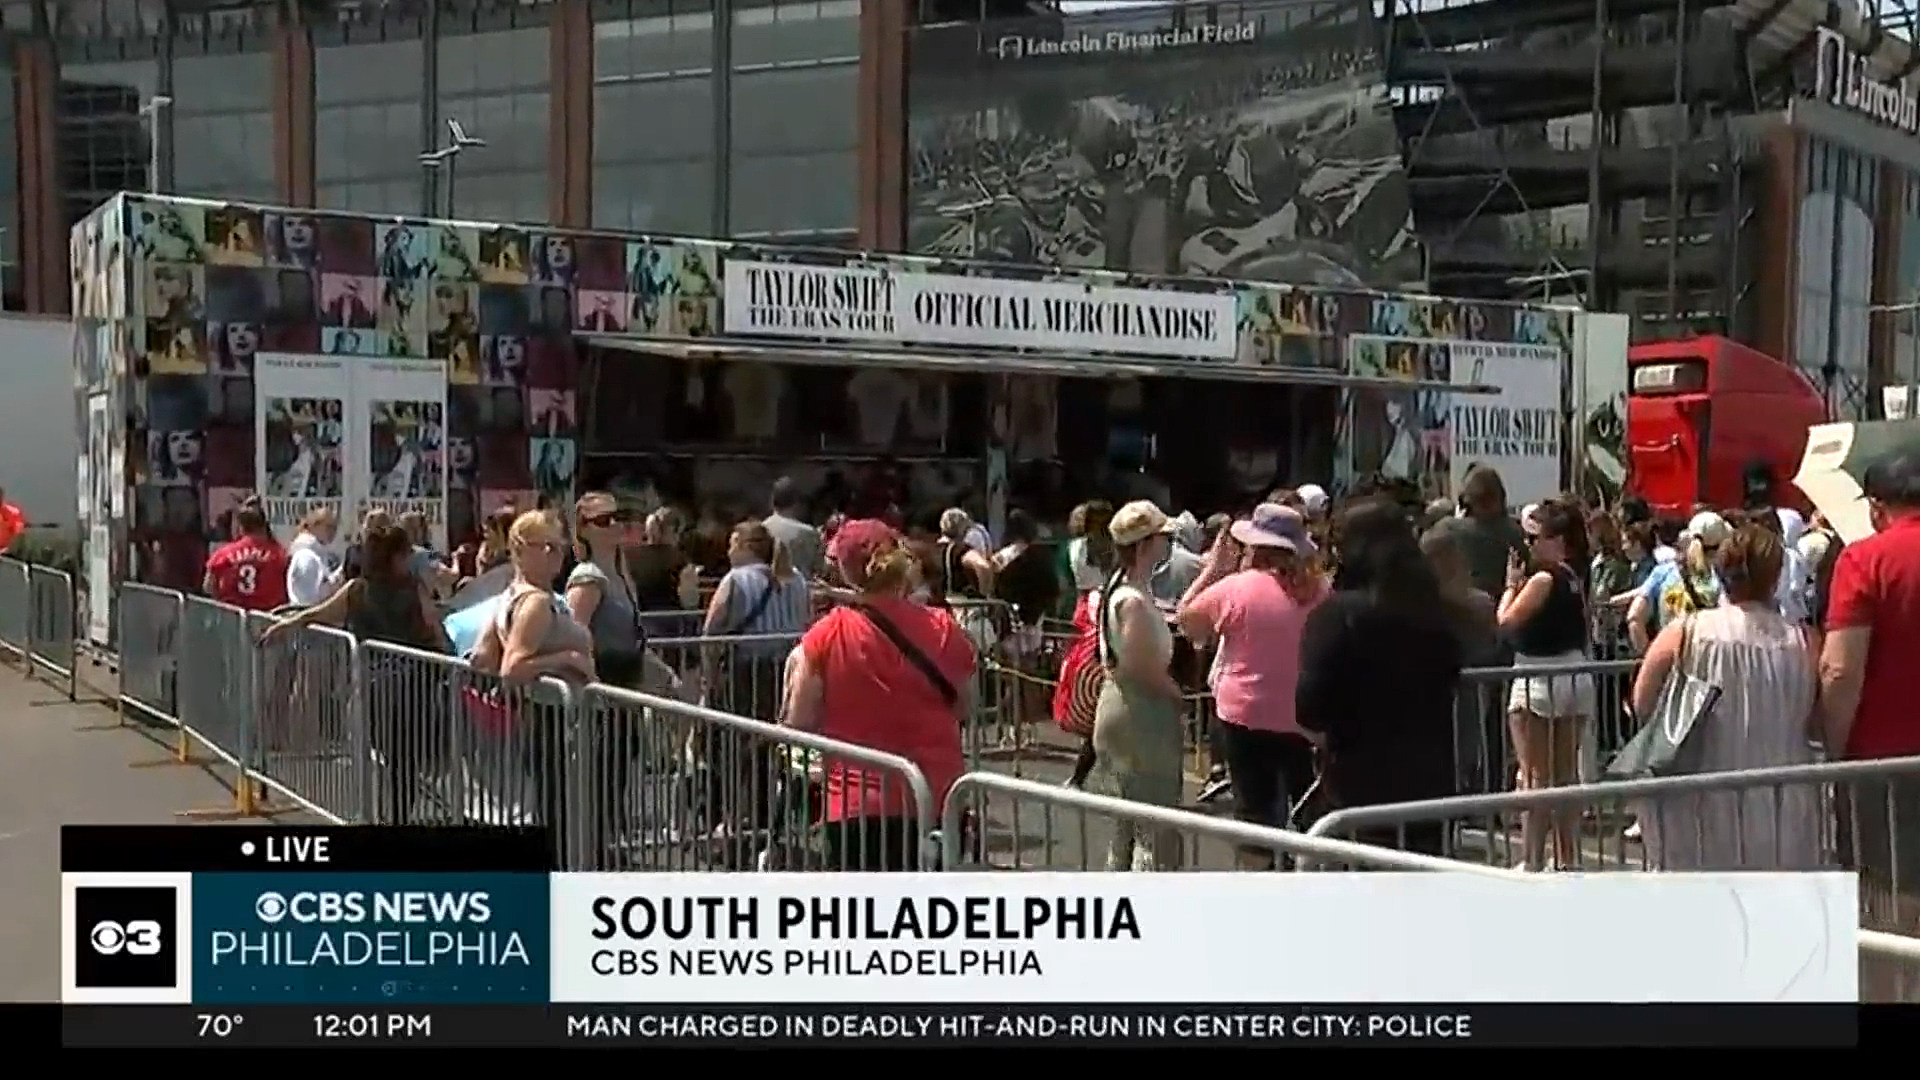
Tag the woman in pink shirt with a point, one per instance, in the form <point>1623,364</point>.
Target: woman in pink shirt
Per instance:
<point>1253,596</point>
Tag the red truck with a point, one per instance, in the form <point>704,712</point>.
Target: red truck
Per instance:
<point>1701,411</point>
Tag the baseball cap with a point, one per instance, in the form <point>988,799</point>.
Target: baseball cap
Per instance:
<point>1313,498</point>
<point>1530,519</point>
<point>1275,526</point>
<point>1138,520</point>
<point>858,539</point>
<point>1709,528</point>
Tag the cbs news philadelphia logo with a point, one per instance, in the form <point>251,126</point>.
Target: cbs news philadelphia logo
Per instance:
<point>125,937</point>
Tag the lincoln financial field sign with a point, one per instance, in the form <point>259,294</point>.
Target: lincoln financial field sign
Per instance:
<point>1021,46</point>
<point>1842,78</point>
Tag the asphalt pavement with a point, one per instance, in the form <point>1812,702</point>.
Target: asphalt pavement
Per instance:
<point>68,763</point>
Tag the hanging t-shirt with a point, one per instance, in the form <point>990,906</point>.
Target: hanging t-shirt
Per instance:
<point>1033,429</point>
<point>927,412</point>
<point>878,397</point>
<point>754,392</point>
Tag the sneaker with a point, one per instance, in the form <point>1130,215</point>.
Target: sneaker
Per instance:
<point>1217,785</point>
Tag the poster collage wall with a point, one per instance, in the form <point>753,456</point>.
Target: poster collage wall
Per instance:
<point>319,358</point>
<point>97,259</point>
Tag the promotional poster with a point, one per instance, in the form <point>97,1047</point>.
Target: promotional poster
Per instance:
<point>350,434</point>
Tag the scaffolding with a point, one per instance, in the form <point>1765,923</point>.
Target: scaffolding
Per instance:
<point>1607,151</point>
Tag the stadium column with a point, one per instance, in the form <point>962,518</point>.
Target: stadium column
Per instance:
<point>570,115</point>
<point>883,123</point>
<point>43,239</point>
<point>1774,267</point>
<point>1891,188</point>
<point>293,146</point>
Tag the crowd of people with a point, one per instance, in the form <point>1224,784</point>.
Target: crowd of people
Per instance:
<point>1331,636</point>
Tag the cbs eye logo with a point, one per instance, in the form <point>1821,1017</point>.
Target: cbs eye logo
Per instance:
<point>124,937</point>
<point>141,937</point>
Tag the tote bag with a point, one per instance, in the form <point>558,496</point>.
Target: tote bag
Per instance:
<point>1663,745</point>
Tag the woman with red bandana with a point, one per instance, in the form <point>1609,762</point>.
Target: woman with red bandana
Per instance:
<point>883,672</point>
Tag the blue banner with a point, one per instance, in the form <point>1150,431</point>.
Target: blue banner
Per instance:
<point>356,938</point>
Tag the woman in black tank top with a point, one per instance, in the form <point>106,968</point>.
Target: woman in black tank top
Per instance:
<point>1543,612</point>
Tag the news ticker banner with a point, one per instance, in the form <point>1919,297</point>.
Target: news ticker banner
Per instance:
<point>956,1026</point>
<point>397,919</point>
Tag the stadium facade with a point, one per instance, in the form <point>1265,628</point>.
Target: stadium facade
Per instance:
<point>1749,168</point>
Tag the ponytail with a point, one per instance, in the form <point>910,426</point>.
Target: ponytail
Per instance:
<point>1699,566</point>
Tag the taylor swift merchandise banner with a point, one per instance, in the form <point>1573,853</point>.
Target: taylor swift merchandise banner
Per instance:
<point>1517,431</point>
<point>350,434</point>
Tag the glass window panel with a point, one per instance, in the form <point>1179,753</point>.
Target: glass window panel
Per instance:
<point>367,126</point>
<point>496,85</point>
<point>790,31</point>
<point>102,136</point>
<point>223,126</point>
<point>669,120</point>
<point>9,198</point>
<point>653,117</point>
<point>796,111</point>
<point>503,196</point>
<point>667,197</point>
<point>681,40</point>
<point>794,193</point>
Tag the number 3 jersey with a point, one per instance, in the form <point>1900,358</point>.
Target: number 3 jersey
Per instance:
<point>249,573</point>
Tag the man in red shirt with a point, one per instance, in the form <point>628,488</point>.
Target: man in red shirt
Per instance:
<point>1869,678</point>
<point>250,572</point>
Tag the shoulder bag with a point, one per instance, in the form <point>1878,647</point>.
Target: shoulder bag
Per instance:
<point>758,609</point>
<point>915,656</point>
<point>1664,744</point>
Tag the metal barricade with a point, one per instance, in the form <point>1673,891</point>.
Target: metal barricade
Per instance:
<point>16,608</point>
<point>214,683</point>
<point>148,633</point>
<point>744,674</point>
<point>51,629</point>
<point>1863,815</point>
<point>307,741</point>
<point>1889,968</point>
<point>446,744</point>
<point>672,623</point>
<point>1014,682</point>
<point>979,832</point>
<point>673,786</point>
<point>1485,754</point>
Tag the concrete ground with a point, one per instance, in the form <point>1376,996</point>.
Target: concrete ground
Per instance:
<point>67,763</point>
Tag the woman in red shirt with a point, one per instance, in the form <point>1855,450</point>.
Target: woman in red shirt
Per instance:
<point>885,673</point>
